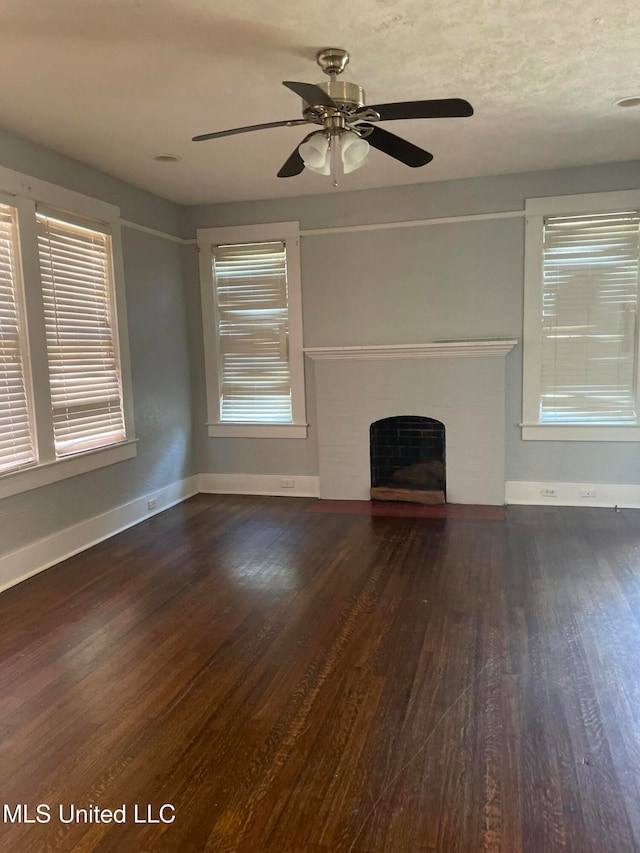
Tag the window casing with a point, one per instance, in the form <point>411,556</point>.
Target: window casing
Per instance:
<point>252,320</point>
<point>62,336</point>
<point>17,446</point>
<point>580,371</point>
<point>250,287</point>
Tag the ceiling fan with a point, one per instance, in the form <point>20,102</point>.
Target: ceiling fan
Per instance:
<point>348,125</point>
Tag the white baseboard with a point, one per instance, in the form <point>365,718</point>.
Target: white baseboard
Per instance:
<point>570,494</point>
<point>21,564</point>
<point>24,562</point>
<point>259,484</point>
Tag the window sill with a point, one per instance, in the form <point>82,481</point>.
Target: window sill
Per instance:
<point>219,430</point>
<point>51,472</point>
<point>580,432</point>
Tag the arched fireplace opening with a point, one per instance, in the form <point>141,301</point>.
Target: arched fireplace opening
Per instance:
<point>408,460</point>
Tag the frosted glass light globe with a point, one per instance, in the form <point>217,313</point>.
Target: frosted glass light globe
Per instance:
<point>315,153</point>
<point>354,151</point>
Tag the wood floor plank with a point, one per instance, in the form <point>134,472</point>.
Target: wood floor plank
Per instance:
<point>302,682</point>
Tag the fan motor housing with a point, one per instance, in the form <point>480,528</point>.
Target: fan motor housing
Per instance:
<point>343,92</point>
<point>348,96</point>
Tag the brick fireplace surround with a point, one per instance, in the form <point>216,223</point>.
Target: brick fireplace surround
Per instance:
<point>460,383</point>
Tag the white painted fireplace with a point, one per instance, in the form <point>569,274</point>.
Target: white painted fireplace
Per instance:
<point>460,383</point>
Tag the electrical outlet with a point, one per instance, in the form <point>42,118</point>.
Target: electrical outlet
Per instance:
<point>287,483</point>
<point>587,493</point>
<point>549,492</point>
<point>152,504</point>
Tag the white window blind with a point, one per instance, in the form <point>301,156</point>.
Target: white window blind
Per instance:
<point>84,371</point>
<point>16,444</point>
<point>253,328</point>
<point>590,296</point>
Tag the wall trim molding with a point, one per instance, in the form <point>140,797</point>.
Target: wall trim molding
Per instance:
<point>374,226</point>
<point>156,233</point>
<point>571,494</point>
<point>436,349</point>
<point>23,563</point>
<point>304,486</point>
<point>414,223</point>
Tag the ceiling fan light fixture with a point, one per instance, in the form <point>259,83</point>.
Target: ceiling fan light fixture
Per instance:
<point>354,150</point>
<point>340,154</point>
<point>315,153</point>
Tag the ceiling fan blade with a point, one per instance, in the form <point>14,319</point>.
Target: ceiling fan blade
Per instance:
<point>290,123</point>
<point>310,93</point>
<point>443,108</point>
<point>395,146</point>
<point>295,164</point>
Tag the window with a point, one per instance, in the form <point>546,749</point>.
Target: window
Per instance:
<point>581,299</point>
<point>84,374</point>
<point>253,332</point>
<point>16,442</point>
<point>252,319</point>
<point>65,391</point>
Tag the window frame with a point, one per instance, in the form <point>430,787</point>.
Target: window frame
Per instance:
<point>21,312</point>
<point>28,195</point>
<point>207,239</point>
<point>536,209</point>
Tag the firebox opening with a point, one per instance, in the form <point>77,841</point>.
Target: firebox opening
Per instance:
<point>408,459</point>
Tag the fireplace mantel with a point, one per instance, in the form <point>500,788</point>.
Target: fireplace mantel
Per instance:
<point>459,383</point>
<point>435,349</point>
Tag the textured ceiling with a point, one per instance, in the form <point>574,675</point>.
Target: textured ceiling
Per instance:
<point>114,82</point>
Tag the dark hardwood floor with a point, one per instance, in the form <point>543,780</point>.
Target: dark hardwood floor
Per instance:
<point>298,682</point>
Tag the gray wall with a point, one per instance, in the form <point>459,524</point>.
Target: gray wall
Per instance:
<point>159,358</point>
<point>411,285</point>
